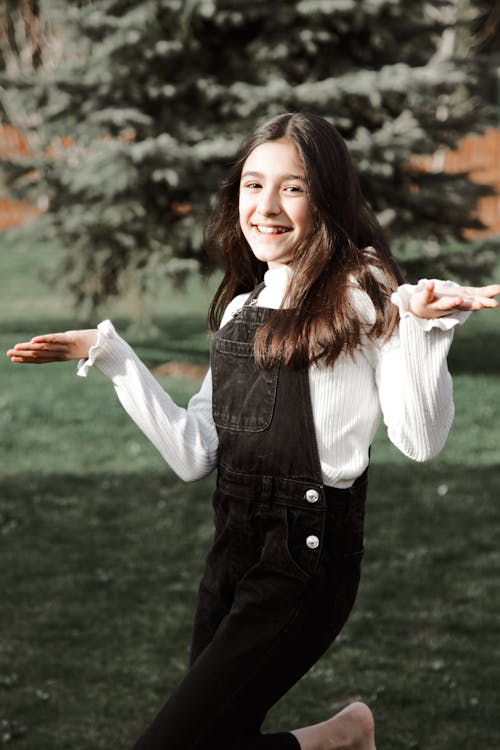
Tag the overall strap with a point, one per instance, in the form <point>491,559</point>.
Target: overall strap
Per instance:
<point>252,297</point>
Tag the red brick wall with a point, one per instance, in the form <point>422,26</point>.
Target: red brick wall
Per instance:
<point>480,156</point>
<point>14,213</point>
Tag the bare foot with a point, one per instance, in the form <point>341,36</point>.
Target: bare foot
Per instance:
<point>351,729</point>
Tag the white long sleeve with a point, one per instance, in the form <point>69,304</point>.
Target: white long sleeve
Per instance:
<point>404,380</point>
<point>186,438</point>
<point>417,406</point>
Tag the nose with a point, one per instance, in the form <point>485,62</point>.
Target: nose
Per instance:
<point>268,203</point>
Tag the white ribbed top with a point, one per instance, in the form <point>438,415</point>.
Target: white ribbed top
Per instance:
<point>404,380</point>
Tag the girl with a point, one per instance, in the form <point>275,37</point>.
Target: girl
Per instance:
<point>309,353</point>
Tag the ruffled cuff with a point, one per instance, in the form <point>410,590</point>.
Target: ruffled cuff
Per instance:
<point>106,331</point>
<point>401,299</point>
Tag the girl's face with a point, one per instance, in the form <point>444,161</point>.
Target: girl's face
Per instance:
<point>275,212</point>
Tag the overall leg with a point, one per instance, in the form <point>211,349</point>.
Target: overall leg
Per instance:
<point>280,623</point>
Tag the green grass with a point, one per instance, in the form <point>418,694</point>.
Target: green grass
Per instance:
<point>101,548</point>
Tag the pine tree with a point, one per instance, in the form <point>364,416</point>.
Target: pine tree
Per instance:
<point>133,128</point>
<point>484,44</point>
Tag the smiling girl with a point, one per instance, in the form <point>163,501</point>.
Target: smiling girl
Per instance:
<point>316,340</point>
<point>274,210</point>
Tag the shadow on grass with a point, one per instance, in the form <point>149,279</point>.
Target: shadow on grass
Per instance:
<point>447,512</point>
<point>99,581</point>
<point>99,587</point>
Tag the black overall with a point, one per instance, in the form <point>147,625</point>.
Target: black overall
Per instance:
<point>283,571</point>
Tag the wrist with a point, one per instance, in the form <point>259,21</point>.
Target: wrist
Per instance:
<point>417,313</point>
<point>81,342</point>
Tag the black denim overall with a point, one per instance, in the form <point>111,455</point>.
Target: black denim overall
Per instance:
<point>283,571</point>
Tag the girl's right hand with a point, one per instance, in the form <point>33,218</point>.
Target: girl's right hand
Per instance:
<point>54,347</point>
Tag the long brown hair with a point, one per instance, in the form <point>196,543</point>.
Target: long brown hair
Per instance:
<point>317,319</point>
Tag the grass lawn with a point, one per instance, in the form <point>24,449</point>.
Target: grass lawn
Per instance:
<point>101,548</point>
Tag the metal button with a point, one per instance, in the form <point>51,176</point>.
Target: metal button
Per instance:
<point>312,496</point>
<point>312,542</point>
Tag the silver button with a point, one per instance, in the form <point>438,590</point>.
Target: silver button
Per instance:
<point>312,496</point>
<point>312,542</point>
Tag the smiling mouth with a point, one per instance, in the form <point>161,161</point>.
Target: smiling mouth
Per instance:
<point>271,230</point>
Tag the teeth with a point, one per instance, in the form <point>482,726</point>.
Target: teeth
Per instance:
<point>271,230</point>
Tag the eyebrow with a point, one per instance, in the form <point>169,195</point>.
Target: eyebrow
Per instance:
<point>261,175</point>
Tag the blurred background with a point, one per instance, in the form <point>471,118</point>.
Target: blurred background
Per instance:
<point>117,122</point>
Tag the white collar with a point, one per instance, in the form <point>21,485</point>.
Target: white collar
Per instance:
<point>277,278</point>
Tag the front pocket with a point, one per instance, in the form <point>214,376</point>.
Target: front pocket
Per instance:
<point>283,534</point>
<point>303,539</point>
<point>244,395</point>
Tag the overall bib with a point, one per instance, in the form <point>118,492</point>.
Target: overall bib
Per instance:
<point>283,571</point>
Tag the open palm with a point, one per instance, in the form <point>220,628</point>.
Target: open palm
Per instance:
<point>432,302</point>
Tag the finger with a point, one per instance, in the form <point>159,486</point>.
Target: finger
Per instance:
<point>51,338</point>
<point>429,291</point>
<point>492,290</point>
<point>23,360</point>
<point>41,352</point>
<point>33,346</point>
<point>26,360</point>
<point>36,358</point>
<point>478,303</point>
<point>489,291</point>
<point>20,344</point>
<point>448,303</point>
<point>457,292</point>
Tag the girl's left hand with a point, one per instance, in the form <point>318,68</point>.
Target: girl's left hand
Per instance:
<point>431,303</point>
